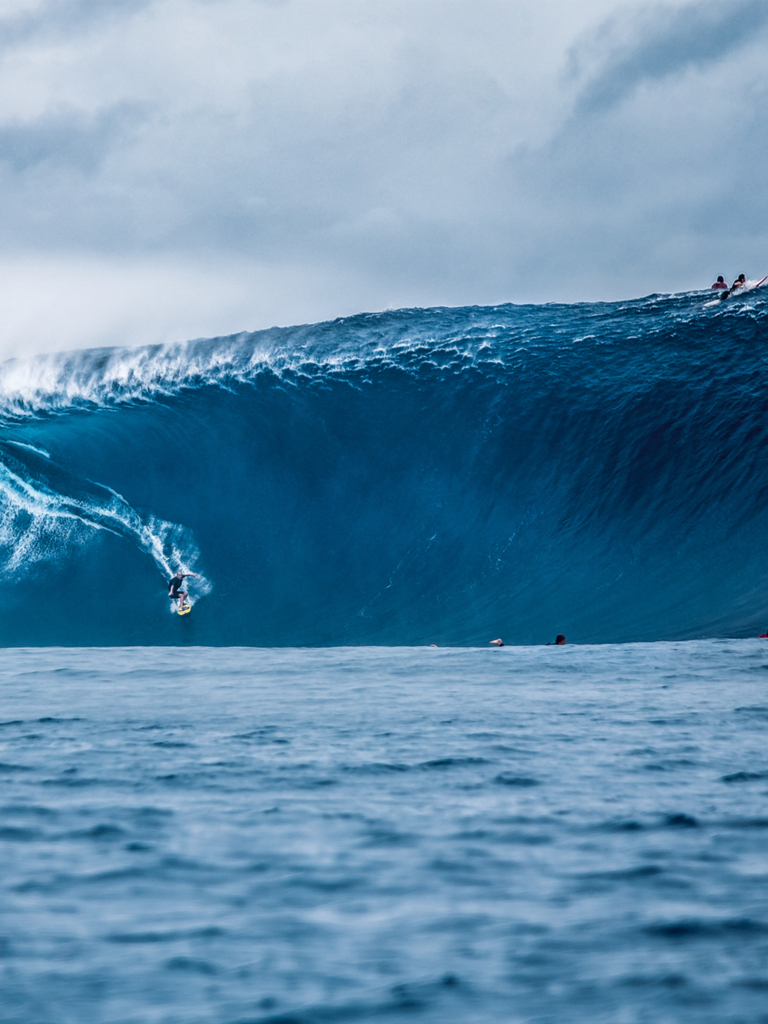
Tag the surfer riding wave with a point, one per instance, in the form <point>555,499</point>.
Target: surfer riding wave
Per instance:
<point>174,588</point>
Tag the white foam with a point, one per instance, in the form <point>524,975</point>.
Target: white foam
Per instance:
<point>37,524</point>
<point>106,377</point>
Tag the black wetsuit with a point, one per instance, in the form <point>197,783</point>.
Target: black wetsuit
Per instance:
<point>175,586</point>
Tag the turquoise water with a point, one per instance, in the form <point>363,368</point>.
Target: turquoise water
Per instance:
<point>521,834</point>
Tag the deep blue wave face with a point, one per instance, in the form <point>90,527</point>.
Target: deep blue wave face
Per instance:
<point>444,475</point>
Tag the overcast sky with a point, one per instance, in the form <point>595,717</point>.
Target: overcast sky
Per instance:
<point>185,168</point>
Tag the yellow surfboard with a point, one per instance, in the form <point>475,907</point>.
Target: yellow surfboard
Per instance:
<point>185,610</point>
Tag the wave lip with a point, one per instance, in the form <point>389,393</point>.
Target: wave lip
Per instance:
<point>408,339</point>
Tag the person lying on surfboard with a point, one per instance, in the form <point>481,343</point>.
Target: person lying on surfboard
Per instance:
<point>174,590</point>
<point>740,281</point>
<point>720,283</point>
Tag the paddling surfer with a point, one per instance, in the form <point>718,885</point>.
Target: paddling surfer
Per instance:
<point>174,587</point>
<point>720,284</point>
<point>740,282</point>
<point>559,641</point>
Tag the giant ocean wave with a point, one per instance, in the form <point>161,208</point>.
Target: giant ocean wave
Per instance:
<point>415,476</point>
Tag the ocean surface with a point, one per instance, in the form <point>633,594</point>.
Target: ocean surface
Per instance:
<point>399,478</point>
<point>560,835</point>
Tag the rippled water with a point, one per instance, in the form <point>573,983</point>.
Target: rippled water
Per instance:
<point>407,834</point>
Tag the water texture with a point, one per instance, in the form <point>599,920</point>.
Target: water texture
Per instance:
<point>442,475</point>
<point>401,834</point>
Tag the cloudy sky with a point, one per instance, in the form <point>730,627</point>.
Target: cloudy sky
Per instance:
<point>184,168</point>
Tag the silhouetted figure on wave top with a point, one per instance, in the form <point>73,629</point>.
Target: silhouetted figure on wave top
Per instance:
<point>740,282</point>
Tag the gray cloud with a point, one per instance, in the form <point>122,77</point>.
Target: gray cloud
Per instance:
<point>241,163</point>
<point>70,138</point>
<point>663,41</point>
<point>63,18</point>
